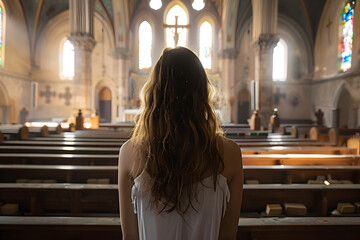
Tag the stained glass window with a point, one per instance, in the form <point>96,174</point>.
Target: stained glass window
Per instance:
<point>176,16</point>
<point>347,27</point>
<point>280,61</point>
<point>205,44</point>
<point>68,60</point>
<point>2,27</point>
<point>145,45</point>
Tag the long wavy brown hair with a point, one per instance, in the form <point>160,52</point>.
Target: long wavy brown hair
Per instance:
<point>177,130</point>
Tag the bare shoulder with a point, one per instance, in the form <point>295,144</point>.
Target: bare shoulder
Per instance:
<point>232,158</point>
<point>126,155</point>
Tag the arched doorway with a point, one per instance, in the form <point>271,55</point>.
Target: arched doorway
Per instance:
<point>105,105</point>
<point>346,110</point>
<point>243,106</point>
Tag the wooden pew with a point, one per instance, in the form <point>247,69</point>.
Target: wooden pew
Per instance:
<point>118,126</point>
<point>61,198</point>
<point>301,159</point>
<point>59,159</point>
<point>56,138</point>
<point>1,136</point>
<point>282,144</point>
<point>296,130</point>
<point>301,150</point>
<point>99,134</point>
<point>39,131</point>
<point>339,136</point>
<point>9,173</point>
<point>301,130</point>
<point>18,132</point>
<point>117,144</point>
<point>319,199</point>
<point>319,134</point>
<point>111,159</point>
<point>56,130</point>
<point>100,144</point>
<point>94,228</point>
<point>299,174</point>
<point>285,129</point>
<point>247,150</point>
<point>58,150</point>
<point>77,199</point>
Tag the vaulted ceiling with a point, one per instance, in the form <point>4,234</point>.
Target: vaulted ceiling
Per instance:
<point>38,13</point>
<point>306,13</point>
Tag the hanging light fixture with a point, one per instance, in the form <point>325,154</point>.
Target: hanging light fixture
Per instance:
<point>198,4</point>
<point>155,4</point>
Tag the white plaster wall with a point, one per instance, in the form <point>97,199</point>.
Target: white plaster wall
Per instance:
<point>14,74</point>
<point>47,73</point>
<point>17,52</point>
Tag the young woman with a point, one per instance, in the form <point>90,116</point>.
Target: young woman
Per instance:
<point>179,178</point>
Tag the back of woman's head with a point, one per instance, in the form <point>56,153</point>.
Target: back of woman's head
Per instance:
<point>177,130</point>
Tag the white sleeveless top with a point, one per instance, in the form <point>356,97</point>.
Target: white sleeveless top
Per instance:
<point>203,222</point>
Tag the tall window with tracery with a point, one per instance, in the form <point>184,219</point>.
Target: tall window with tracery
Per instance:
<point>176,16</point>
<point>67,61</point>
<point>280,61</point>
<point>145,45</point>
<point>205,43</point>
<point>2,33</point>
<point>347,32</point>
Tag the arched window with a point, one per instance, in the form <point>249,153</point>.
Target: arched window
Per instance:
<point>176,17</point>
<point>2,33</point>
<point>145,45</point>
<point>347,26</point>
<point>67,61</point>
<point>205,43</point>
<point>280,61</point>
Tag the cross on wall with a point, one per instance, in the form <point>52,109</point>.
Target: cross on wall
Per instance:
<point>66,95</point>
<point>278,96</point>
<point>176,26</point>
<point>47,94</point>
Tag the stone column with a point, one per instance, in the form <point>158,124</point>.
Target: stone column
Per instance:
<point>82,84</point>
<point>264,40</point>
<point>228,83</point>
<point>263,49</point>
<point>123,55</point>
<point>82,36</point>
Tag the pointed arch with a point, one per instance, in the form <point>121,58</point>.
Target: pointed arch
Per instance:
<point>206,44</point>
<point>67,60</point>
<point>145,45</point>
<point>176,8</point>
<point>347,32</point>
<point>280,59</point>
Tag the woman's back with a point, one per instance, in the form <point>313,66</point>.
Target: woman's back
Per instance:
<point>201,221</point>
<point>176,145</point>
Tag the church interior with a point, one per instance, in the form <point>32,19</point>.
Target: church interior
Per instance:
<point>287,81</point>
<point>49,72</point>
